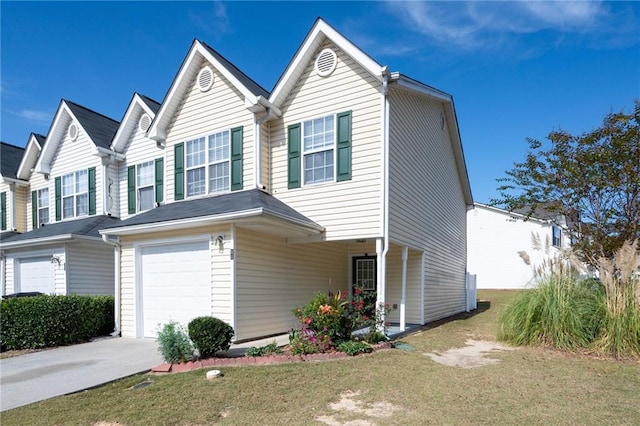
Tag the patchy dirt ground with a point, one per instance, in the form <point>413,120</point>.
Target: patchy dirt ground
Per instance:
<point>349,405</point>
<point>474,355</point>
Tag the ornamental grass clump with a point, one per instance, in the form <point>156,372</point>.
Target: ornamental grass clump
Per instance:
<point>174,344</point>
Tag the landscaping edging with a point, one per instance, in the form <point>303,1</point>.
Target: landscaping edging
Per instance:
<point>260,360</point>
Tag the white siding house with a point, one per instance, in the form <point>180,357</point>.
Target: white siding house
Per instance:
<point>344,169</point>
<point>59,251</point>
<point>496,238</point>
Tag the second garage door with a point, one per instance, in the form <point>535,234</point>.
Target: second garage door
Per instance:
<point>176,284</point>
<point>36,274</point>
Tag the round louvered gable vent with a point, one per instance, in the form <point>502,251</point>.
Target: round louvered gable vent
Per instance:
<point>73,131</point>
<point>326,62</point>
<point>145,122</point>
<point>205,79</point>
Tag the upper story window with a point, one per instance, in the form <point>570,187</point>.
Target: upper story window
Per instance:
<point>145,185</point>
<point>556,236</point>
<point>75,194</point>
<point>318,149</point>
<point>208,164</point>
<point>43,206</point>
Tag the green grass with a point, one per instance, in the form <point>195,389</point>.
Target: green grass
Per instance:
<point>528,386</point>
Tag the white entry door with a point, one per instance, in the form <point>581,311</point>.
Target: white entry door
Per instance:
<point>176,284</point>
<point>36,274</point>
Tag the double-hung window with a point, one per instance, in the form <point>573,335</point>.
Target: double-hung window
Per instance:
<point>75,194</point>
<point>43,206</point>
<point>556,234</point>
<point>144,185</point>
<point>318,144</point>
<point>208,164</point>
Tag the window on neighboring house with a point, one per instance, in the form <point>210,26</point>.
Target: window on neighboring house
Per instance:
<point>43,206</point>
<point>75,194</point>
<point>208,164</point>
<point>318,149</point>
<point>144,185</point>
<point>556,236</point>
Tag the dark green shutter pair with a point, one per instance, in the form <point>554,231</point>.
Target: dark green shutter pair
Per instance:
<point>131,184</point>
<point>58,196</point>
<point>236,164</point>
<point>3,211</point>
<point>343,150</point>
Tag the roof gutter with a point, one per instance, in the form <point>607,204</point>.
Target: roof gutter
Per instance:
<point>105,152</point>
<point>47,240</point>
<point>203,221</point>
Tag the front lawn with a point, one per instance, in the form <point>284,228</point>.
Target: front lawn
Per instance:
<point>528,386</point>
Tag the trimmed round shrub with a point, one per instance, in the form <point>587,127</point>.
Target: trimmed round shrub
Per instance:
<point>210,335</point>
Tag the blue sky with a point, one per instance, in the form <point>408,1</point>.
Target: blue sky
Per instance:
<point>515,69</point>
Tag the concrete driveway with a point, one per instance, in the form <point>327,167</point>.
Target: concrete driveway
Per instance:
<point>41,375</point>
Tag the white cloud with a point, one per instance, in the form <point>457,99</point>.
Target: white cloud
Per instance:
<point>33,115</point>
<point>215,22</point>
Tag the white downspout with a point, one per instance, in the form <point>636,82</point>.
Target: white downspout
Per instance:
<point>116,293</point>
<point>382,283</point>
<point>403,311</point>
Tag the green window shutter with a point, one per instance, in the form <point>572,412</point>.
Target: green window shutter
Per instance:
<point>34,209</point>
<point>343,147</point>
<point>159,180</point>
<point>293,152</point>
<point>92,191</point>
<point>58,198</point>
<point>3,211</point>
<point>179,171</point>
<point>236,158</point>
<point>131,189</point>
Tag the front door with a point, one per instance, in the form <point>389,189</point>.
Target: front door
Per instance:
<point>364,273</point>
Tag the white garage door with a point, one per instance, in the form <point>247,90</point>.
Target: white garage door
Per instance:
<point>36,274</point>
<point>176,284</point>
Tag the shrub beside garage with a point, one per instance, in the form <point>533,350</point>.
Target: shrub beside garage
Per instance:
<point>45,321</point>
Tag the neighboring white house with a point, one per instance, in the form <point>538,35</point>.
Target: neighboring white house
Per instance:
<point>346,173</point>
<point>495,239</point>
<point>70,179</point>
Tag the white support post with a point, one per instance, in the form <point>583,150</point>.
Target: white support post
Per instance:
<point>403,309</point>
<point>381,284</point>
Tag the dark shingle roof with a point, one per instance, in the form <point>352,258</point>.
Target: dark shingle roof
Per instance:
<point>87,227</point>
<point>101,129</point>
<point>255,88</point>
<point>7,235</point>
<point>40,139</point>
<point>210,206</point>
<point>10,158</point>
<point>153,105</point>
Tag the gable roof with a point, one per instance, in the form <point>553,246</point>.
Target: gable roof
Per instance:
<point>31,153</point>
<point>255,95</point>
<point>138,105</point>
<point>99,128</point>
<point>228,207</point>
<point>86,228</point>
<point>320,32</point>
<point>10,158</point>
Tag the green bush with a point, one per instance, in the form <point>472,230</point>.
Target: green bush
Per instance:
<point>270,349</point>
<point>353,347</point>
<point>45,321</point>
<point>175,346</point>
<point>210,335</point>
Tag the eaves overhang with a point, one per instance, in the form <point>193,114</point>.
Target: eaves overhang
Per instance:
<point>47,241</point>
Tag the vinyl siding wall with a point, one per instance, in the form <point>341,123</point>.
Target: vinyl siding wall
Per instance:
<point>204,113</point>
<point>140,149</point>
<point>37,182</point>
<point>221,290</point>
<point>90,269</point>
<point>348,209</point>
<point>394,284</point>
<point>20,210</point>
<point>274,277</point>
<point>426,202</point>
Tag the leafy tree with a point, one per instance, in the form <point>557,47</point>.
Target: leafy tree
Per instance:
<point>593,179</point>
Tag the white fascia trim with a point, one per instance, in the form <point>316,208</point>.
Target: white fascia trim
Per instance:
<point>458,151</point>
<point>120,138</point>
<point>52,141</point>
<point>416,86</point>
<point>32,142</point>
<point>195,222</point>
<point>18,182</point>
<point>48,240</point>
<point>507,213</point>
<point>105,152</point>
<point>322,29</point>
<point>259,104</point>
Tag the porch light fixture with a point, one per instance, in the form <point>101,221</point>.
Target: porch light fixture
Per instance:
<point>55,259</point>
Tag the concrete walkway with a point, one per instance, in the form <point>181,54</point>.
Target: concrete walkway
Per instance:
<point>41,375</point>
